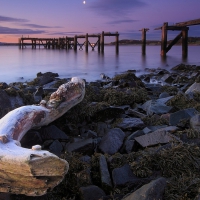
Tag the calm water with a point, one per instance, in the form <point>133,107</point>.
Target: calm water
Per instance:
<point>16,63</point>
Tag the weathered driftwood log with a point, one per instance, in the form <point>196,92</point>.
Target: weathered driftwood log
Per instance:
<point>33,172</point>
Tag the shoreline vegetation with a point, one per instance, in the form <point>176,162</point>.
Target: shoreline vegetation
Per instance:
<point>191,41</point>
<point>131,136</point>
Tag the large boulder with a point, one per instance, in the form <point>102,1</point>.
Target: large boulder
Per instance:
<point>112,141</point>
<point>151,191</point>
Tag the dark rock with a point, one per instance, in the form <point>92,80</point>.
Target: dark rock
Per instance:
<point>185,114</point>
<point>135,113</point>
<point>157,106</point>
<point>84,146</point>
<point>135,134</point>
<point>112,141</point>
<point>8,103</point>
<point>167,78</point>
<point>123,176</point>
<point>160,136</point>
<point>89,134</point>
<point>164,95</point>
<point>91,192</point>
<point>195,122</point>
<point>105,175</point>
<point>108,113</point>
<point>151,191</point>
<point>3,85</point>
<point>56,148</point>
<point>128,145</point>
<point>31,138</point>
<point>38,95</point>
<point>131,123</point>
<point>86,159</point>
<point>102,129</point>
<point>52,132</point>
<point>195,87</point>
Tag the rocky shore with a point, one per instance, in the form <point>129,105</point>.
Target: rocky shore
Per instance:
<point>130,138</point>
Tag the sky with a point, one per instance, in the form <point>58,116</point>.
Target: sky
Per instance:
<point>61,18</point>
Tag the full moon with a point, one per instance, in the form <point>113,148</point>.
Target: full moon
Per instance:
<point>84,2</point>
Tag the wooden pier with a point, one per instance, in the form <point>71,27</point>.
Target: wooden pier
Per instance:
<point>73,43</point>
<point>69,42</point>
<point>183,28</point>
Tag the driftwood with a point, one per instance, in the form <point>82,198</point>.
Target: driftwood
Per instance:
<point>33,172</point>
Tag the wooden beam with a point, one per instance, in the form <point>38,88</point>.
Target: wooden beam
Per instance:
<point>176,28</point>
<point>189,23</point>
<point>174,41</point>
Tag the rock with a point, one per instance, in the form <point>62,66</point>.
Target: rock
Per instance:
<point>156,137</point>
<point>89,134</point>
<point>86,159</point>
<point>164,95</point>
<point>123,176</point>
<point>3,85</point>
<point>91,192</point>
<point>112,141</point>
<point>135,113</point>
<point>157,106</point>
<point>168,78</point>
<point>151,191</point>
<point>105,175</point>
<point>128,145</point>
<point>195,122</point>
<point>31,138</point>
<point>38,94</point>
<point>195,87</point>
<point>85,146</point>
<point>131,123</point>
<point>8,103</point>
<point>108,113</point>
<point>51,132</point>
<point>185,114</point>
<point>102,129</point>
<point>56,148</point>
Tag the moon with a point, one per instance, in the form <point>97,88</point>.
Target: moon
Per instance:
<point>84,2</point>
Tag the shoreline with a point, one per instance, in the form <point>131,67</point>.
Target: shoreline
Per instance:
<point>134,125</point>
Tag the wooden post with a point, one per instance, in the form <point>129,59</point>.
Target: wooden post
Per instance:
<point>164,39</point>
<point>99,43</point>
<point>20,43</point>
<point>117,42</point>
<point>144,30</point>
<point>75,43</point>
<point>66,42</point>
<point>185,42</point>
<point>86,42</point>
<point>102,41</point>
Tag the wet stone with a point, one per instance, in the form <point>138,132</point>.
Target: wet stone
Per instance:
<point>153,190</point>
<point>112,141</point>
<point>91,192</point>
<point>131,123</point>
<point>56,148</point>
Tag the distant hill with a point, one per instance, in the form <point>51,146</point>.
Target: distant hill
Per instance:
<point>191,41</point>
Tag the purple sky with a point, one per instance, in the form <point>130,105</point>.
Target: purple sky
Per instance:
<point>51,18</point>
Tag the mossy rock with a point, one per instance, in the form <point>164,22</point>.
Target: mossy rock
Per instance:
<point>11,91</point>
<point>127,97</point>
